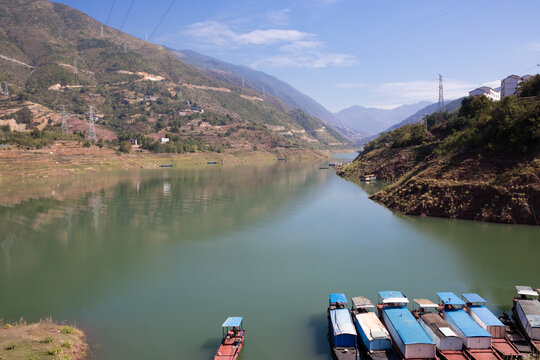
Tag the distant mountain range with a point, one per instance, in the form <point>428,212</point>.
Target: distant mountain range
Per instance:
<point>367,122</point>
<point>428,110</point>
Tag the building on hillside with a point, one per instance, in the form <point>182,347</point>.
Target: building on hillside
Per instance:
<point>133,142</point>
<point>163,140</point>
<point>510,84</point>
<point>486,91</point>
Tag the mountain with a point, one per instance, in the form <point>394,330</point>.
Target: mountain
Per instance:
<point>54,55</point>
<point>428,110</point>
<point>371,121</point>
<point>257,80</point>
<point>480,163</point>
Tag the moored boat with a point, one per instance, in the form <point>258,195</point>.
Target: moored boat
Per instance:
<point>233,339</point>
<point>449,344</point>
<point>341,329</point>
<point>370,177</point>
<point>514,334</point>
<point>527,314</point>
<point>374,339</point>
<point>487,320</point>
<point>476,340</point>
<point>409,338</point>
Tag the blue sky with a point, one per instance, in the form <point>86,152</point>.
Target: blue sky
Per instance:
<point>348,52</point>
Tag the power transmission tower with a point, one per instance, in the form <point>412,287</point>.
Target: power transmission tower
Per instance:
<point>125,48</point>
<point>146,34</point>
<point>91,127</point>
<point>243,83</point>
<point>75,66</point>
<point>6,89</point>
<point>264,91</point>
<point>441,107</point>
<point>64,120</point>
<point>102,30</point>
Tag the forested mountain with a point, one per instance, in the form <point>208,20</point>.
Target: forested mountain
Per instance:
<point>53,55</point>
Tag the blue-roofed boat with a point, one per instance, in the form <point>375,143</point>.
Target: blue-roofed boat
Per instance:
<point>476,340</point>
<point>374,339</point>
<point>410,340</point>
<point>341,330</point>
<point>233,339</point>
<point>487,320</point>
<point>526,311</point>
<point>449,344</point>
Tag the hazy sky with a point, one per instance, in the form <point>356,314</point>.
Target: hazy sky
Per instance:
<point>379,53</point>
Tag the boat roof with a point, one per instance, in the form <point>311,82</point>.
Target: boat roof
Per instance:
<point>233,321</point>
<point>408,329</point>
<point>425,303</point>
<point>371,326</point>
<point>342,322</point>
<point>361,302</point>
<point>438,325</point>
<point>449,298</point>
<point>486,316</point>
<point>526,290</point>
<point>473,298</point>
<point>531,309</point>
<point>389,297</point>
<point>466,324</point>
<point>338,299</point>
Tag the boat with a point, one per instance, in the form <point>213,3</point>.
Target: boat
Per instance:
<point>477,340</point>
<point>165,165</point>
<point>487,320</point>
<point>233,339</point>
<point>515,336</point>
<point>526,311</point>
<point>281,159</point>
<point>323,167</point>
<point>370,177</point>
<point>341,331</point>
<point>449,344</point>
<point>374,339</point>
<point>408,337</point>
<point>212,162</point>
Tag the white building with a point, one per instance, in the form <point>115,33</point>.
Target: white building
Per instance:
<point>163,140</point>
<point>510,85</point>
<point>486,91</point>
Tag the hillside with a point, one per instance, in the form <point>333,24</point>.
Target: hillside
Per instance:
<point>256,80</point>
<point>54,55</point>
<point>422,113</point>
<point>481,162</point>
<point>365,122</point>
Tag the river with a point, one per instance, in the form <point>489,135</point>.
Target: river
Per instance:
<point>150,263</point>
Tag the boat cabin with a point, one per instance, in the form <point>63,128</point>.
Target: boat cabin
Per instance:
<point>436,327</point>
<point>369,177</point>
<point>409,337</point>
<point>337,301</point>
<point>371,330</point>
<point>342,328</point>
<point>483,316</point>
<point>527,308</point>
<point>473,335</point>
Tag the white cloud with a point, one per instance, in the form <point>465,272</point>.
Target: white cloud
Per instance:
<point>219,34</point>
<point>302,45</point>
<point>533,46</point>
<point>492,84</point>
<point>350,85</point>
<point>279,17</point>
<point>323,3</point>
<point>314,60</point>
<point>385,107</point>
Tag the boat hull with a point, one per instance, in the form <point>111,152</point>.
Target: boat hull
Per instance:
<point>230,347</point>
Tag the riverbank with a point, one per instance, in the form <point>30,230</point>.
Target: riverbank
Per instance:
<point>47,171</point>
<point>42,340</point>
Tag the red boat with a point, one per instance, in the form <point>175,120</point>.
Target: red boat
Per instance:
<point>233,339</point>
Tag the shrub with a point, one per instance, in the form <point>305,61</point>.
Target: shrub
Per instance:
<point>67,345</point>
<point>67,330</point>
<point>47,340</point>
<point>54,351</point>
<point>10,346</point>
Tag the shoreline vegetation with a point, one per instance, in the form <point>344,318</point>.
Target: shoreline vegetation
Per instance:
<point>45,339</point>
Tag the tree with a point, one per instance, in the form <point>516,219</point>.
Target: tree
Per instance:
<point>125,147</point>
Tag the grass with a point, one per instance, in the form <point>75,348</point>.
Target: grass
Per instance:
<point>21,341</point>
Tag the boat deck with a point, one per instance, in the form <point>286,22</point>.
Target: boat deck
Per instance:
<point>230,346</point>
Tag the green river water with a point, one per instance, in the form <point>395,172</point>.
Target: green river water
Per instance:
<point>150,263</point>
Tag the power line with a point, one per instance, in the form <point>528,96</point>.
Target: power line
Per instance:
<point>127,14</point>
<point>110,12</point>
<point>162,18</point>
